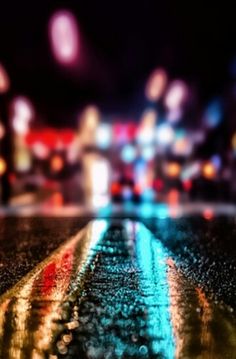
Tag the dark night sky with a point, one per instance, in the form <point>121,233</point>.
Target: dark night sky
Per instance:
<point>124,41</point>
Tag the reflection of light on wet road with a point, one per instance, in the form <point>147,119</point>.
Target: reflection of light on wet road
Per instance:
<point>198,323</point>
<point>175,310</point>
<point>21,309</point>
<point>205,308</point>
<point>35,303</point>
<point>112,291</point>
<point>151,258</point>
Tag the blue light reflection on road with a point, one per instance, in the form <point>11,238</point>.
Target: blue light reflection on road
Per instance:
<point>151,258</point>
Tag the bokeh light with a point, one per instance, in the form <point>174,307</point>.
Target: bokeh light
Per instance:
<point>156,85</point>
<point>234,142</point>
<point>4,80</point>
<point>173,169</point>
<point>64,37</point>
<point>176,95</point>
<point>164,134</point>
<point>213,114</point>
<point>57,163</point>
<point>22,114</point>
<point>3,166</point>
<point>163,138</point>
<point>90,118</point>
<point>104,136</point>
<point>209,170</point>
<point>2,131</point>
<point>128,153</point>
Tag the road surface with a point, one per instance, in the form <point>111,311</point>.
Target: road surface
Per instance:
<point>118,288</point>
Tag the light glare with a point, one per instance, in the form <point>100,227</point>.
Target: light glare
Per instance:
<point>63,30</point>
<point>156,85</point>
<point>176,95</point>
<point>4,80</point>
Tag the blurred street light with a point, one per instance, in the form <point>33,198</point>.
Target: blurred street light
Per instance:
<point>176,95</point>
<point>4,80</point>
<point>156,85</point>
<point>164,134</point>
<point>6,145</point>
<point>88,125</point>
<point>22,114</point>
<point>64,37</point>
<point>3,166</point>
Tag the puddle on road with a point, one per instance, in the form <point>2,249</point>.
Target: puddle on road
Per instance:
<point>112,291</point>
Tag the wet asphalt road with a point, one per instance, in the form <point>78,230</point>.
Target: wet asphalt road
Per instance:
<point>204,250</point>
<point>116,291</point>
<point>24,242</point>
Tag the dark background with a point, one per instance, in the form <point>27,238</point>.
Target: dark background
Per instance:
<point>122,41</point>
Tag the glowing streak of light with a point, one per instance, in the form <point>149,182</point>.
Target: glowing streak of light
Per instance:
<point>51,291</point>
<point>3,310</point>
<point>206,336</point>
<point>21,310</point>
<point>63,275</point>
<point>176,311</point>
<point>151,259</point>
<point>190,171</point>
<point>54,286</point>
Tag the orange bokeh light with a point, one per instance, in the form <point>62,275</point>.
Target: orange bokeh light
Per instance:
<point>57,163</point>
<point>234,141</point>
<point>57,199</point>
<point>173,169</point>
<point>3,166</point>
<point>208,170</point>
<point>156,85</point>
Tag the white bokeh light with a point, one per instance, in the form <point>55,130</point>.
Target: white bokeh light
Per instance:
<point>176,95</point>
<point>164,134</point>
<point>22,114</point>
